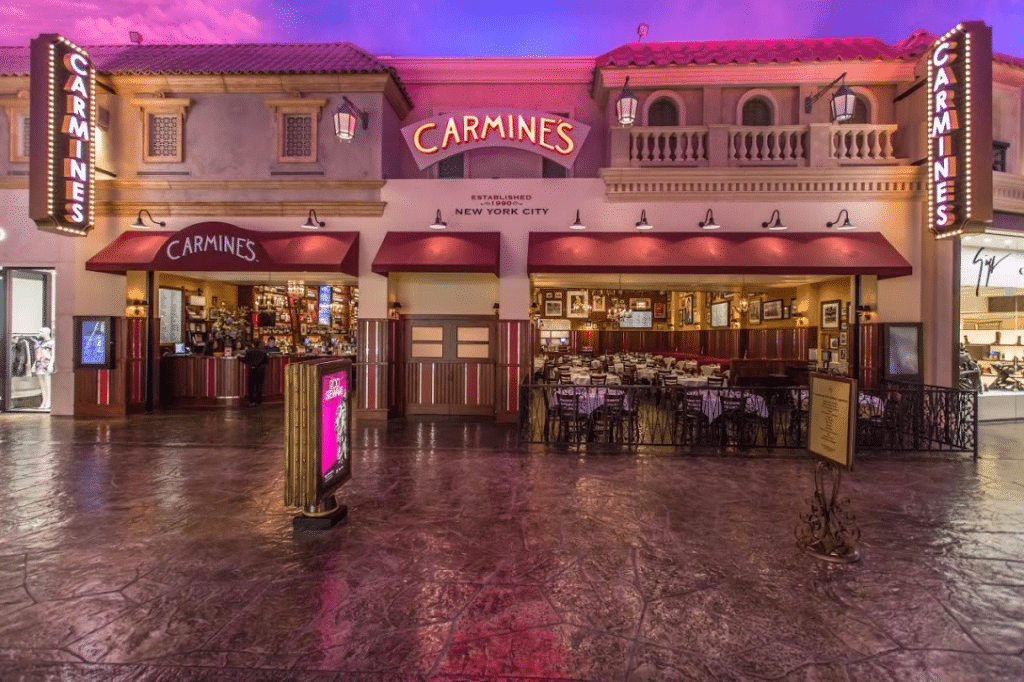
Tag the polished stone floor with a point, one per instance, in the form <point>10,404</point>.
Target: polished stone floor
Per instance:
<point>157,549</point>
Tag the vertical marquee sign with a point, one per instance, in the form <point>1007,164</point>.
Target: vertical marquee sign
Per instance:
<point>960,130</point>
<point>62,183</point>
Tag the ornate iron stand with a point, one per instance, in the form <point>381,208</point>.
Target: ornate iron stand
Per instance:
<point>829,532</point>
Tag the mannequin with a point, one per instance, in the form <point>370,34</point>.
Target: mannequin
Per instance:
<point>43,366</point>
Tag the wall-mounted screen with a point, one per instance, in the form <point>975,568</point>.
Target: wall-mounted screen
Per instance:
<point>637,319</point>
<point>720,314</point>
<point>94,342</point>
<point>902,351</point>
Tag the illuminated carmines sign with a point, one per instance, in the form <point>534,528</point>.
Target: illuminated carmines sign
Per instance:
<point>552,136</point>
<point>959,130</point>
<point>62,161</point>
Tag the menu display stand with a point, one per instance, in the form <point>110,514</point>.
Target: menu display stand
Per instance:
<point>829,532</point>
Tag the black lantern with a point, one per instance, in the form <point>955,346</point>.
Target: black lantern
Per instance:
<point>578,225</point>
<point>709,222</point>
<point>847,225</point>
<point>345,120</point>
<point>140,223</point>
<point>438,223</point>
<point>642,224</point>
<point>625,106</point>
<point>774,222</point>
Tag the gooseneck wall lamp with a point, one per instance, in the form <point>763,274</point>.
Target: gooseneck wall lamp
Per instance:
<point>625,106</point>
<point>577,225</point>
<point>438,223</point>
<point>345,120</point>
<point>774,222</point>
<point>843,100</point>
<point>312,221</point>
<point>139,222</point>
<point>642,224</point>
<point>847,225</point>
<point>709,222</point>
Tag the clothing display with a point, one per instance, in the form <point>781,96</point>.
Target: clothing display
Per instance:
<point>44,357</point>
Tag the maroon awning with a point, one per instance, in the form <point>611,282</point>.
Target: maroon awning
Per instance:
<point>439,252</point>
<point>222,247</point>
<point>722,253</point>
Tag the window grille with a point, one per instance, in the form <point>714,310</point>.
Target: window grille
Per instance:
<point>163,136</point>
<point>999,156</point>
<point>298,136</point>
<point>26,125</point>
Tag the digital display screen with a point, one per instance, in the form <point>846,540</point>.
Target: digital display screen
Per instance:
<point>335,457</point>
<point>94,342</point>
<point>637,319</point>
<point>902,350</point>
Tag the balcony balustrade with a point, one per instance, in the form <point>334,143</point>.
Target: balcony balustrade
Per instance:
<point>815,145</point>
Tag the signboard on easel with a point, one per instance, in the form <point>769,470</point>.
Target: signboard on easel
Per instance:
<point>832,420</point>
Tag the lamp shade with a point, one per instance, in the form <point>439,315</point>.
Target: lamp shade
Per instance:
<point>345,122</point>
<point>625,106</point>
<point>843,103</point>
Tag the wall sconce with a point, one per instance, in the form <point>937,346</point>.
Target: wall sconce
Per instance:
<point>625,106</point>
<point>643,224</point>
<point>139,222</point>
<point>577,225</point>
<point>843,100</point>
<point>438,224</point>
<point>312,221</point>
<point>136,308</point>
<point>396,310</point>
<point>709,222</point>
<point>847,225</point>
<point>497,308</point>
<point>345,120</point>
<point>777,225</point>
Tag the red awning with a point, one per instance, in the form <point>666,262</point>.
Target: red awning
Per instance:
<point>722,253</point>
<point>439,252</point>
<point>222,247</point>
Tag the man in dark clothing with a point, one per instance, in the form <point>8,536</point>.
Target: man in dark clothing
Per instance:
<point>256,359</point>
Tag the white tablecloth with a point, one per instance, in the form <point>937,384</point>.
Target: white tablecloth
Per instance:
<point>712,404</point>
<point>592,398</point>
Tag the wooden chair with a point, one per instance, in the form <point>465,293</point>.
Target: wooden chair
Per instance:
<point>598,379</point>
<point>691,424</point>
<point>564,375</point>
<point>609,418</point>
<point>571,422</point>
<point>716,381</point>
<point>736,424</point>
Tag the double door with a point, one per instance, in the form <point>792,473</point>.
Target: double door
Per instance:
<point>450,364</point>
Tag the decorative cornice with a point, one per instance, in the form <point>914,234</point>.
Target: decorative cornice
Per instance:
<point>754,184</point>
<point>198,185</point>
<point>447,70</point>
<point>751,75</point>
<point>1008,192</point>
<point>293,209</point>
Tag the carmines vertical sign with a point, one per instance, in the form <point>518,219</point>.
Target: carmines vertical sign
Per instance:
<point>62,165</point>
<point>960,130</point>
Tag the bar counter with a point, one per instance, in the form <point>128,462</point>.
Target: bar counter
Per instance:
<point>203,380</point>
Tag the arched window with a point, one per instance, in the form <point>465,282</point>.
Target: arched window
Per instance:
<point>663,112</point>
<point>757,112</point>
<point>860,111</point>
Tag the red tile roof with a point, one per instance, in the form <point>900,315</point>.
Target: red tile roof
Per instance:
<point>216,59</point>
<point>763,51</point>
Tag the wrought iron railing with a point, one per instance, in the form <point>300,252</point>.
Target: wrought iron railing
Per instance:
<point>897,418</point>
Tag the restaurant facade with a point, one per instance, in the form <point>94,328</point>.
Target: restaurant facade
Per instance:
<point>449,220</point>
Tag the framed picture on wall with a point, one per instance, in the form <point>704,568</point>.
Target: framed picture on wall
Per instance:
<point>720,314</point>
<point>772,310</point>
<point>786,312</point>
<point>639,304</point>
<point>686,314</point>
<point>842,338</point>
<point>579,303</point>
<point>659,311</point>
<point>830,314</point>
<point>548,294</point>
<point>826,356</point>
<point>842,355</point>
<point>833,342</point>
<point>754,315</point>
<point>598,301</point>
<point>552,308</point>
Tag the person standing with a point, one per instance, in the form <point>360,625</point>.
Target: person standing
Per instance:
<point>256,359</point>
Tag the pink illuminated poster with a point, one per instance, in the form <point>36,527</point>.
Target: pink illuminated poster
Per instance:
<point>334,427</point>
